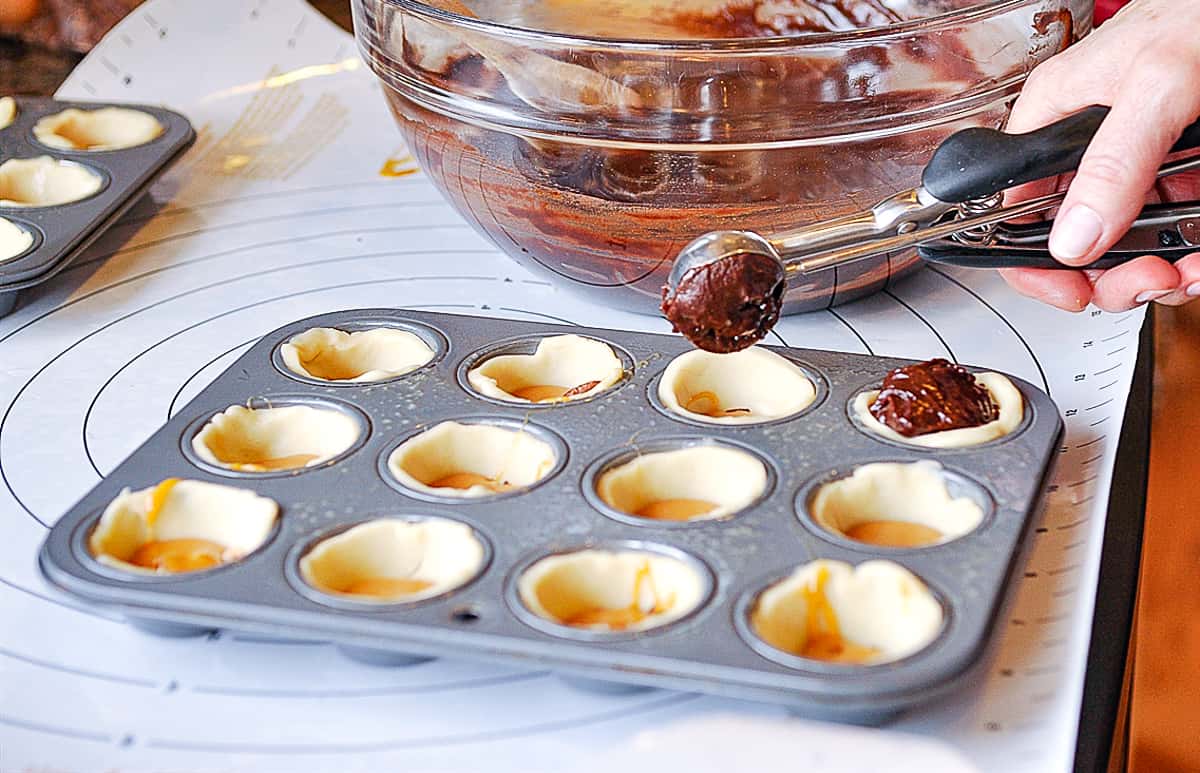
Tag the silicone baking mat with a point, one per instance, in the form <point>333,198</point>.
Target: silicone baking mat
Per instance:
<point>299,198</point>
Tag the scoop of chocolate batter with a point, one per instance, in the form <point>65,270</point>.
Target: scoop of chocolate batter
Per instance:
<point>726,305</point>
<point>931,397</point>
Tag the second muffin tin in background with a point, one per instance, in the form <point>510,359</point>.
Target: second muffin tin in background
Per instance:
<point>62,231</point>
<point>708,650</point>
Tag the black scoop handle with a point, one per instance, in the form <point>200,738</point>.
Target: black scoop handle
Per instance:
<point>978,163</point>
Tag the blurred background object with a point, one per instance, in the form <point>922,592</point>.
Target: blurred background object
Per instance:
<point>67,25</point>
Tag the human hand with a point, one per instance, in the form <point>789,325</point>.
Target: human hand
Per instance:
<point>1145,63</point>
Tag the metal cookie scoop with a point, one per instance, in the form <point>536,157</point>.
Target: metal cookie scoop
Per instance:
<point>725,290</point>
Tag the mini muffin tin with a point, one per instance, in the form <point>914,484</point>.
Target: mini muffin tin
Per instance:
<point>62,232</point>
<point>711,650</point>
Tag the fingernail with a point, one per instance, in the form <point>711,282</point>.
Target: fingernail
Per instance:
<point>1075,233</point>
<point>1193,290</point>
<point>1152,295</point>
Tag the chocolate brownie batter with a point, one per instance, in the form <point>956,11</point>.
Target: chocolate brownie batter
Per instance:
<point>933,396</point>
<point>727,305</point>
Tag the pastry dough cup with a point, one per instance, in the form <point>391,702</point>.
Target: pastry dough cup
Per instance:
<point>446,553</point>
<point>732,476</point>
<point>235,441</point>
<point>106,128</point>
<point>8,111</point>
<point>545,588</point>
<point>878,604</point>
<point>775,388</point>
<point>237,519</point>
<point>923,493</point>
<point>17,238</point>
<point>497,448</point>
<point>28,183</point>
<point>496,371</point>
<point>1014,417</point>
<point>374,352</point>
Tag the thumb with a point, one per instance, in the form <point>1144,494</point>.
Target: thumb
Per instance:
<point>1117,171</point>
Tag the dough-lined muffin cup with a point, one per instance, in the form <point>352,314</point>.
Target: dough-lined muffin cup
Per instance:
<point>46,182</point>
<point>879,610</point>
<point>220,524</point>
<point>561,369</point>
<point>701,482</point>
<point>1005,394</point>
<point>611,590</point>
<point>394,560</point>
<point>105,128</point>
<point>360,356</point>
<point>460,460</point>
<point>753,386</point>
<point>275,439</point>
<point>898,504</point>
<point>8,111</point>
<point>15,239</point>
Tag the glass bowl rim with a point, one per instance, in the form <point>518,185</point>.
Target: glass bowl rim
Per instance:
<point>984,10</point>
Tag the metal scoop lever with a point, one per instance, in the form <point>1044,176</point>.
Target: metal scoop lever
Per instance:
<point>1169,231</point>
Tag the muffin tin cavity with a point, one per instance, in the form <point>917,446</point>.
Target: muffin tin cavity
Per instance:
<point>459,460</point>
<point>46,182</point>
<point>611,590</point>
<point>561,369</point>
<point>15,240</point>
<point>394,560</point>
<point>1005,394</point>
<point>752,386</point>
<point>701,482</point>
<point>830,611</point>
<point>8,111</point>
<point>362,356</point>
<point>181,526</point>
<point>275,439</point>
<point>106,128</point>
<point>895,504</point>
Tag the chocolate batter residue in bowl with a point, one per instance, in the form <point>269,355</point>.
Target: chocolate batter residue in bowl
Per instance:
<point>727,305</point>
<point>933,396</point>
<point>607,134</point>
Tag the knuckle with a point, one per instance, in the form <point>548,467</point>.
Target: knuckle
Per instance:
<point>1044,77</point>
<point>1105,169</point>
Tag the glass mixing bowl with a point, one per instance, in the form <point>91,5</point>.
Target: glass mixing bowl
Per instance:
<point>593,161</point>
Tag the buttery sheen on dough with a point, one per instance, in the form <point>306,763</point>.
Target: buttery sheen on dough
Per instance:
<point>728,478</point>
<point>569,588</point>
<point>752,386</point>
<point>363,356</point>
<point>14,240</point>
<point>890,491</point>
<point>500,457</point>
<point>434,555</point>
<point>1005,394</point>
<point>106,128</point>
<point>236,519</point>
<point>266,439</point>
<point>45,182</point>
<point>566,361</point>
<point>877,604</point>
